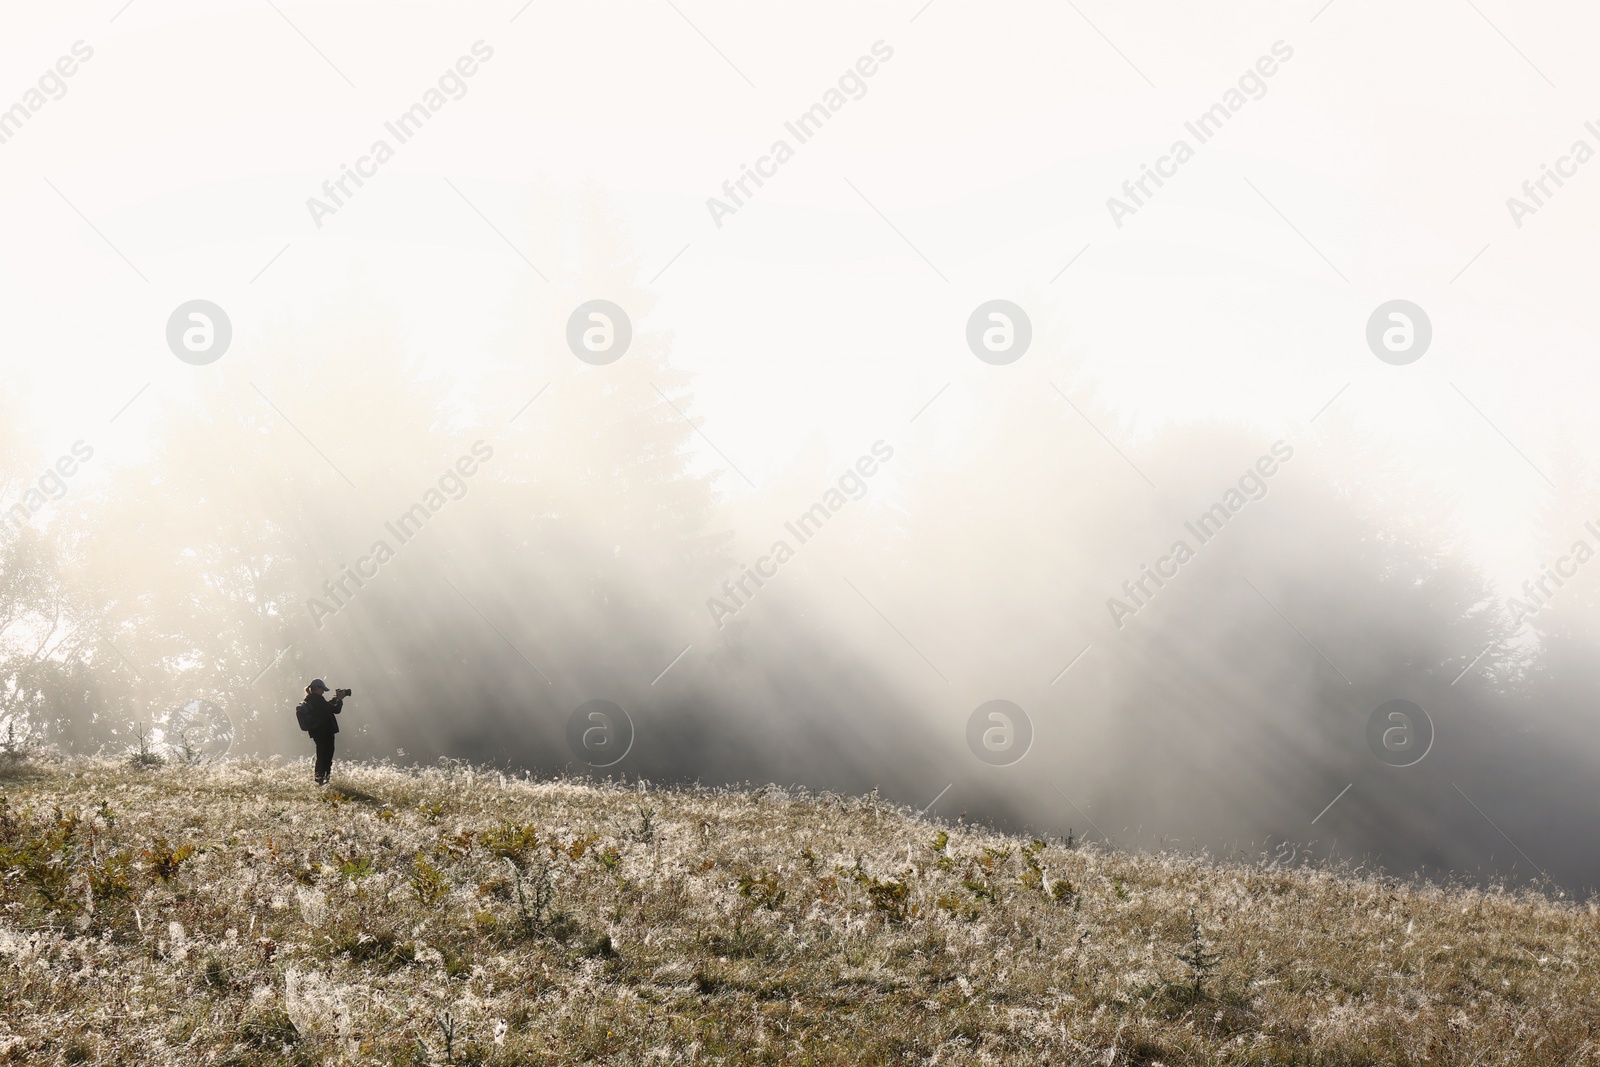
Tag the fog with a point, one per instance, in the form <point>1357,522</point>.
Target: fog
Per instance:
<point>797,527</point>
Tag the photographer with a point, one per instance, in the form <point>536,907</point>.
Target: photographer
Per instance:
<point>318,716</point>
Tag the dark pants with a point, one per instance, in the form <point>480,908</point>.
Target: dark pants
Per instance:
<point>324,756</point>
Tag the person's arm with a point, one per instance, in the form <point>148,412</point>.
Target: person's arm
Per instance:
<point>337,704</point>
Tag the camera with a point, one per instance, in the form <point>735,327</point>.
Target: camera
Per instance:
<point>340,693</point>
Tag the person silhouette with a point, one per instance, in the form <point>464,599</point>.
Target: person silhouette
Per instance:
<point>319,718</point>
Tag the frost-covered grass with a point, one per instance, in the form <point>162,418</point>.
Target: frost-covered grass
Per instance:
<point>235,914</point>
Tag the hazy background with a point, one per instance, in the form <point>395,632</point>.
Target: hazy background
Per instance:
<point>769,353</point>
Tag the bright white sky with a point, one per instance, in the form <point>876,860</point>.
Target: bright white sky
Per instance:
<point>1390,142</point>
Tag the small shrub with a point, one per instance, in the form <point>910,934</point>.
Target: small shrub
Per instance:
<point>217,974</point>
<point>1198,956</point>
<point>513,841</point>
<point>539,917</point>
<point>145,757</point>
<point>1032,874</point>
<point>457,844</point>
<point>428,881</point>
<point>165,860</point>
<point>45,860</point>
<point>891,896</point>
<point>112,878</point>
<point>762,890</point>
<point>580,845</point>
<point>356,867</point>
<point>959,906</point>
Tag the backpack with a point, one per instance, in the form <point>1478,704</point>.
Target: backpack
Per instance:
<point>302,715</point>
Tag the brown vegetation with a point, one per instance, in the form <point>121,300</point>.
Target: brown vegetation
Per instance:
<point>234,914</point>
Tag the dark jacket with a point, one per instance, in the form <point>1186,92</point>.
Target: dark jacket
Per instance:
<point>323,714</point>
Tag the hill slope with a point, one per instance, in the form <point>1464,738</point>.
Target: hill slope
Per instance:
<point>234,914</point>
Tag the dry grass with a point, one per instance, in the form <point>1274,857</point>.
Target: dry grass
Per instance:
<point>234,914</point>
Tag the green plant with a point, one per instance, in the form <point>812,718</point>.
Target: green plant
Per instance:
<point>188,752</point>
<point>512,841</point>
<point>356,867</point>
<point>217,974</point>
<point>448,1028</point>
<point>533,915</point>
<point>165,860</point>
<point>958,906</point>
<point>145,757</point>
<point>1198,956</point>
<point>428,881</point>
<point>539,917</point>
<point>580,845</point>
<point>112,878</point>
<point>45,860</point>
<point>1032,874</point>
<point>891,896</point>
<point>762,889</point>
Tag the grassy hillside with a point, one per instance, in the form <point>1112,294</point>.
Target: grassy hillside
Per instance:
<point>235,914</point>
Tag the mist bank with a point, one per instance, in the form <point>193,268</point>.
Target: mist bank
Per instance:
<point>479,557</point>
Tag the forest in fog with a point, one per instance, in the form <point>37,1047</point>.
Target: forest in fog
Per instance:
<point>574,534</point>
